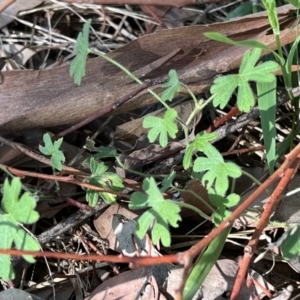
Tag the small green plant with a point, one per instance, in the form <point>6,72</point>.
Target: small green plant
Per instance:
<point>160,214</point>
<point>210,165</point>
<point>224,86</point>
<point>100,177</point>
<point>217,170</point>
<point>206,261</point>
<point>50,148</point>
<point>162,127</point>
<point>16,209</point>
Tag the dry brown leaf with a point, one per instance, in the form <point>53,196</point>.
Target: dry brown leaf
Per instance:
<point>134,159</point>
<point>130,285</point>
<point>103,224</point>
<point>50,98</point>
<point>196,187</point>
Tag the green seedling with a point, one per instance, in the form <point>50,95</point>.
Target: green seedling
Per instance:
<point>224,86</point>
<point>100,177</point>
<point>50,148</point>
<point>16,209</point>
<point>217,170</point>
<point>160,214</point>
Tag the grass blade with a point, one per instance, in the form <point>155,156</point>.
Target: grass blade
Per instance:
<point>204,264</point>
<point>267,107</point>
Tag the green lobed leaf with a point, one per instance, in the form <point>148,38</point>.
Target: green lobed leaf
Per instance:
<point>200,141</point>
<point>161,127</point>
<point>100,177</point>
<point>245,97</point>
<point>224,86</point>
<point>217,171</point>
<point>26,242</point>
<point>57,156</point>
<point>160,214</point>
<point>15,209</point>
<point>21,209</point>
<point>223,89</point>
<point>77,69</point>
<point>102,152</point>
<point>172,85</point>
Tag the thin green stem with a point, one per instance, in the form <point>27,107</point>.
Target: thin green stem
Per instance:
<point>199,107</point>
<point>136,172</point>
<point>195,209</point>
<point>210,207</point>
<point>254,180</point>
<point>130,74</point>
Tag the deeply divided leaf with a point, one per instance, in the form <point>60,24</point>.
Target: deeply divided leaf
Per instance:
<point>199,143</point>
<point>217,171</point>
<point>16,209</point>
<point>161,128</point>
<point>50,148</point>
<point>172,86</point>
<point>224,86</point>
<point>77,69</point>
<point>160,214</point>
<point>101,178</point>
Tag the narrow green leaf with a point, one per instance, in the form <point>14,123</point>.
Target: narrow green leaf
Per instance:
<point>296,3</point>
<point>290,246</point>
<point>246,43</point>
<point>289,62</point>
<point>267,108</point>
<point>204,264</point>
<point>241,10</point>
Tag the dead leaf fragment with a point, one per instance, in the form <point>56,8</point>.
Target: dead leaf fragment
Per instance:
<point>131,285</point>
<point>46,98</point>
<point>103,224</point>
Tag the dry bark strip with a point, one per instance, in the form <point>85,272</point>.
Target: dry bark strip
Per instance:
<point>45,98</point>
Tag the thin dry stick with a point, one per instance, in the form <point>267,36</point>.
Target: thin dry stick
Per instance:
<point>186,258</point>
<point>37,156</point>
<point>268,209</point>
<point>69,179</point>
<point>108,109</point>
